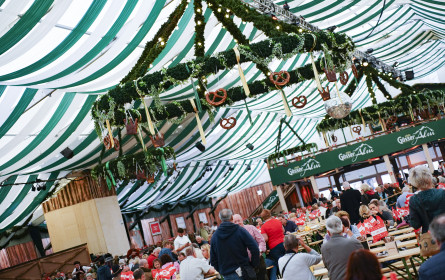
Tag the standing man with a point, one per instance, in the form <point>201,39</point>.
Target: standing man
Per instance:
<point>336,252</point>
<point>261,270</point>
<point>104,271</point>
<point>181,241</point>
<point>229,244</point>
<point>334,194</point>
<point>203,231</point>
<point>350,202</point>
<point>288,226</point>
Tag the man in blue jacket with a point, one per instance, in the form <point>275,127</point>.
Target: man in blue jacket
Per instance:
<point>228,250</point>
<point>432,269</point>
<point>104,271</point>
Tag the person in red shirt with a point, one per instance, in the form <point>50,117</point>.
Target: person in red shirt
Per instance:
<point>273,233</point>
<point>153,256</point>
<point>126,273</point>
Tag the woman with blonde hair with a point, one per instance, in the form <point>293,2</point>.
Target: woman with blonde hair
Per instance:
<point>364,212</point>
<point>205,249</point>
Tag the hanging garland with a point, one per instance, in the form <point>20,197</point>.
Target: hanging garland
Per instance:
<point>199,28</point>
<point>127,166</point>
<point>402,105</point>
<point>299,149</point>
<point>154,83</point>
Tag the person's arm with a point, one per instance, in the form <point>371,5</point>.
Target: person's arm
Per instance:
<point>251,245</point>
<point>415,219</point>
<point>260,240</point>
<point>213,255</point>
<point>266,238</point>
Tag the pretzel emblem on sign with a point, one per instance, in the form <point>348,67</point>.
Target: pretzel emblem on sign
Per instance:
<point>228,123</point>
<point>299,101</point>
<point>357,129</point>
<point>344,77</point>
<point>107,143</point>
<point>217,97</point>
<point>354,70</point>
<point>279,78</point>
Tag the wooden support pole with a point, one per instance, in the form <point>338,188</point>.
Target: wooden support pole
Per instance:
<point>428,157</point>
<point>390,169</point>
<point>282,199</point>
<point>314,185</point>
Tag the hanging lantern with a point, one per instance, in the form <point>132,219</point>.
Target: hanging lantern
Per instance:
<point>339,105</point>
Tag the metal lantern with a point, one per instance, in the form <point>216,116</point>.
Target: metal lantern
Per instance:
<point>339,105</point>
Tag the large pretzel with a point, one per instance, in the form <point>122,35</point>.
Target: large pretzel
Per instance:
<point>354,70</point>
<point>391,121</point>
<point>279,78</point>
<point>344,77</point>
<point>357,129</point>
<point>299,101</point>
<point>215,98</point>
<point>107,142</point>
<point>334,138</point>
<point>116,144</point>
<point>228,123</point>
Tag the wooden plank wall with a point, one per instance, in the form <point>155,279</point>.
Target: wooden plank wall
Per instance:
<point>20,253</point>
<point>79,190</point>
<point>243,203</point>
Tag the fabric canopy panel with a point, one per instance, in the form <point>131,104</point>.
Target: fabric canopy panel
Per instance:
<point>60,55</point>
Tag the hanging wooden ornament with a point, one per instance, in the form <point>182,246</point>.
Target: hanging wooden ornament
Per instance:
<point>241,73</point>
<point>354,70</point>
<point>314,68</point>
<point>198,121</point>
<point>228,123</point>
<point>357,129</point>
<point>150,179</point>
<point>330,75</point>
<point>140,175</point>
<point>110,134</point>
<point>391,121</point>
<point>108,143</point>
<point>141,95</point>
<point>116,144</point>
<point>157,140</point>
<point>344,77</point>
<point>299,101</point>
<point>216,98</point>
<point>334,138</point>
<point>279,78</point>
<point>132,126</point>
<point>325,94</point>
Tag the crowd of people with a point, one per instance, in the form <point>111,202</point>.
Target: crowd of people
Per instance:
<point>268,248</point>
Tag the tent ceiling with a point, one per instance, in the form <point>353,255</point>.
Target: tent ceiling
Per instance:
<point>57,56</point>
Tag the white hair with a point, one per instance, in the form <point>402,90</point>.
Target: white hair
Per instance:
<point>334,225</point>
<point>365,187</point>
<point>157,249</point>
<point>405,189</point>
<point>420,177</point>
<point>346,185</point>
<point>441,179</point>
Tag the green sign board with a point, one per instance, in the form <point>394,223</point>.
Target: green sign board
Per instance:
<point>361,151</point>
<point>271,200</point>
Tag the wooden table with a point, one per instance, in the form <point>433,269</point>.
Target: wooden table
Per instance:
<point>398,237</point>
<point>408,244</point>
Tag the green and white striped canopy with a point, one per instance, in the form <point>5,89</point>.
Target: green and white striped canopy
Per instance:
<point>58,56</point>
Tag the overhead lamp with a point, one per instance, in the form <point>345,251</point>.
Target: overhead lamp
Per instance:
<point>409,75</point>
<point>365,62</point>
<point>286,6</point>
<point>33,188</point>
<point>331,28</point>
<point>67,153</point>
<point>395,64</point>
<point>274,17</point>
<point>370,50</point>
<point>249,146</point>
<point>200,146</point>
<point>248,167</point>
<point>231,168</point>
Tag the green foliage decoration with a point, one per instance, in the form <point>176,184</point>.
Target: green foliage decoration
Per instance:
<point>299,149</point>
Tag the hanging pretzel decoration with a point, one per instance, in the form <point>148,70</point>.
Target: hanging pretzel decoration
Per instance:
<point>330,75</point>
<point>357,129</point>
<point>354,70</point>
<point>140,175</point>
<point>299,101</point>
<point>150,179</point>
<point>334,138</point>
<point>228,123</point>
<point>107,143</point>
<point>157,140</point>
<point>344,77</point>
<point>391,121</point>
<point>216,98</point>
<point>325,95</point>
<point>132,126</point>
<point>279,78</point>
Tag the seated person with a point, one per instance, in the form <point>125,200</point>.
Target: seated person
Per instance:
<point>379,210</point>
<point>194,268</point>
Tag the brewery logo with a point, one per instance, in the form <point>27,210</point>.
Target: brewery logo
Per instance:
<point>361,150</point>
<point>270,201</point>
<point>421,133</point>
<point>311,164</point>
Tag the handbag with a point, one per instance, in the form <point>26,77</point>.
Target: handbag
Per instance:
<point>428,246</point>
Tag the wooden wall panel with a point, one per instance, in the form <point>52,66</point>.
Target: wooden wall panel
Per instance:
<point>21,253</point>
<point>77,191</point>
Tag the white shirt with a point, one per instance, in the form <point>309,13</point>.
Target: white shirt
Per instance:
<point>85,269</point>
<point>299,266</point>
<point>181,241</point>
<point>193,269</point>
